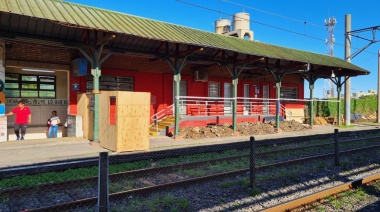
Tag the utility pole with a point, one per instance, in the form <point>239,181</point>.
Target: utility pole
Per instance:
<point>349,56</point>
<point>378,88</point>
<point>347,86</point>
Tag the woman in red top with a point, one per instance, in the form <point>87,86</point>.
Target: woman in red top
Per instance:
<point>23,118</point>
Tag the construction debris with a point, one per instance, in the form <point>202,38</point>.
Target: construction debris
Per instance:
<point>244,129</point>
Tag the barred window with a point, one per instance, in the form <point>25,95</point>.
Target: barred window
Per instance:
<point>111,83</point>
<point>213,89</point>
<point>289,93</point>
<point>30,86</point>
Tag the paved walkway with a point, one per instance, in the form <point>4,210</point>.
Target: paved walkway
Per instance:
<point>27,152</point>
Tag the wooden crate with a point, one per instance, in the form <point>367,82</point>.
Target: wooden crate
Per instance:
<point>83,109</point>
<point>131,129</point>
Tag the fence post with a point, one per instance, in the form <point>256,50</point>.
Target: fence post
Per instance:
<point>336,145</point>
<point>103,182</point>
<point>252,162</point>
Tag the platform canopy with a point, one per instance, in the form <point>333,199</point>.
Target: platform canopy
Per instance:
<point>69,25</point>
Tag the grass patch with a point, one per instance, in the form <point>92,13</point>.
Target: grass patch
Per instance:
<point>227,184</point>
<point>346,126</point>
<point>337,203</point>
<point>157,204</point>
<point>320,208</point>
<point>254,192</point>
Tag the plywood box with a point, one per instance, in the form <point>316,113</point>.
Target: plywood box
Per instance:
<point>124,120</point>
<point>83,108</point>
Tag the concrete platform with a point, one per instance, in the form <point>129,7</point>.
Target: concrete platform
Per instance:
<point>28,152</point>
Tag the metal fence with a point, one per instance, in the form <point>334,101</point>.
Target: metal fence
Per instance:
<point>212,177</point>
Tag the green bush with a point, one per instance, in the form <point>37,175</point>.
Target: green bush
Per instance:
<point>366,105</point>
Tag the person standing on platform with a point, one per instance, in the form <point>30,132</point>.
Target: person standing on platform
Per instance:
<point>53,121</point>
<point>23,118</point>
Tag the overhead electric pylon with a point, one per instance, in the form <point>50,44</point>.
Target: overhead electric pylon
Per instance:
<point>328,85</point>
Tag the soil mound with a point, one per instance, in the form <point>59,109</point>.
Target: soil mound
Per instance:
<point>244,128</point>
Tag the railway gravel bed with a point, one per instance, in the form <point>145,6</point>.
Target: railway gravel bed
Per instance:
<point>234,194</point>
<point>274,186</point>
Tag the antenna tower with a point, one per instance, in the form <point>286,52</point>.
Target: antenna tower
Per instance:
<point>328,87</point>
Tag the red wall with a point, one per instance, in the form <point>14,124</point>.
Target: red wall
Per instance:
<point>161,85</point>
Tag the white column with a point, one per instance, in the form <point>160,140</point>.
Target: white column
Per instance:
<point>347,85</point>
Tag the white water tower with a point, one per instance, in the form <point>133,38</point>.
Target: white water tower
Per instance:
<point>240,26</point>
<point>222,26</point>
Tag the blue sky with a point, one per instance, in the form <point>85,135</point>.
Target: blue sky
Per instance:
<point>295,24</point>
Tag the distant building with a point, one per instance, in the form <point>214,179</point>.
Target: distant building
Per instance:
<point>359,94</point>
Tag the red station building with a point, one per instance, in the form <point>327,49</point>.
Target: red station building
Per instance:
<point>51,51</point>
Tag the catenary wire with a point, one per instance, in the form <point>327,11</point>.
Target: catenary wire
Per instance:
<point>267,25</point>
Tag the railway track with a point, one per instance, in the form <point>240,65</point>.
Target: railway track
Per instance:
<point>156,155</point>
<point>310,201</point>
<point>169,176</point>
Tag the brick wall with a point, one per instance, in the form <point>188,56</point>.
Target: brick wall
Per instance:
<point>33,53</point>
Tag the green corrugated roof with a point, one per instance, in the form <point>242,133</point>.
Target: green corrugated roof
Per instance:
<point>95,18</point>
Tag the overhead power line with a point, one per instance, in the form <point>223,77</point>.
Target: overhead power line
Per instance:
<point>263,24</point>
<point>274,14</point>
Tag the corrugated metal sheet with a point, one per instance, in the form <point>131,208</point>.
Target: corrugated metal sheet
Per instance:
<point>94,18</point>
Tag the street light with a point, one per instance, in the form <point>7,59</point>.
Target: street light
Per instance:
<point>332,74</point>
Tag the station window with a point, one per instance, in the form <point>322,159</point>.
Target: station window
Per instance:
<point>289,93</point>
<point>111,83</point>
<point>213,89</point>
<point>30,86</point>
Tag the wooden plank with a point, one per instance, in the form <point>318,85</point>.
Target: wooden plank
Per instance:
<point>82,109</point>
<point>107,132</point>
<point>131,129</point>
<point>133,114</point>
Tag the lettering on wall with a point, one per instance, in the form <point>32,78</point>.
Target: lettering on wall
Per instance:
<point>29,102</point>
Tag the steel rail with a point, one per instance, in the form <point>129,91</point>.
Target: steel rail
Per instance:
<point>147,171</point>
<point>116,176</point>
<point>140,191</point>
<point>300,202</point>
<point>115,159</point>
<point>161,187</point>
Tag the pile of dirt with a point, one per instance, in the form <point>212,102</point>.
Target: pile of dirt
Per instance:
<point>244,128</point>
